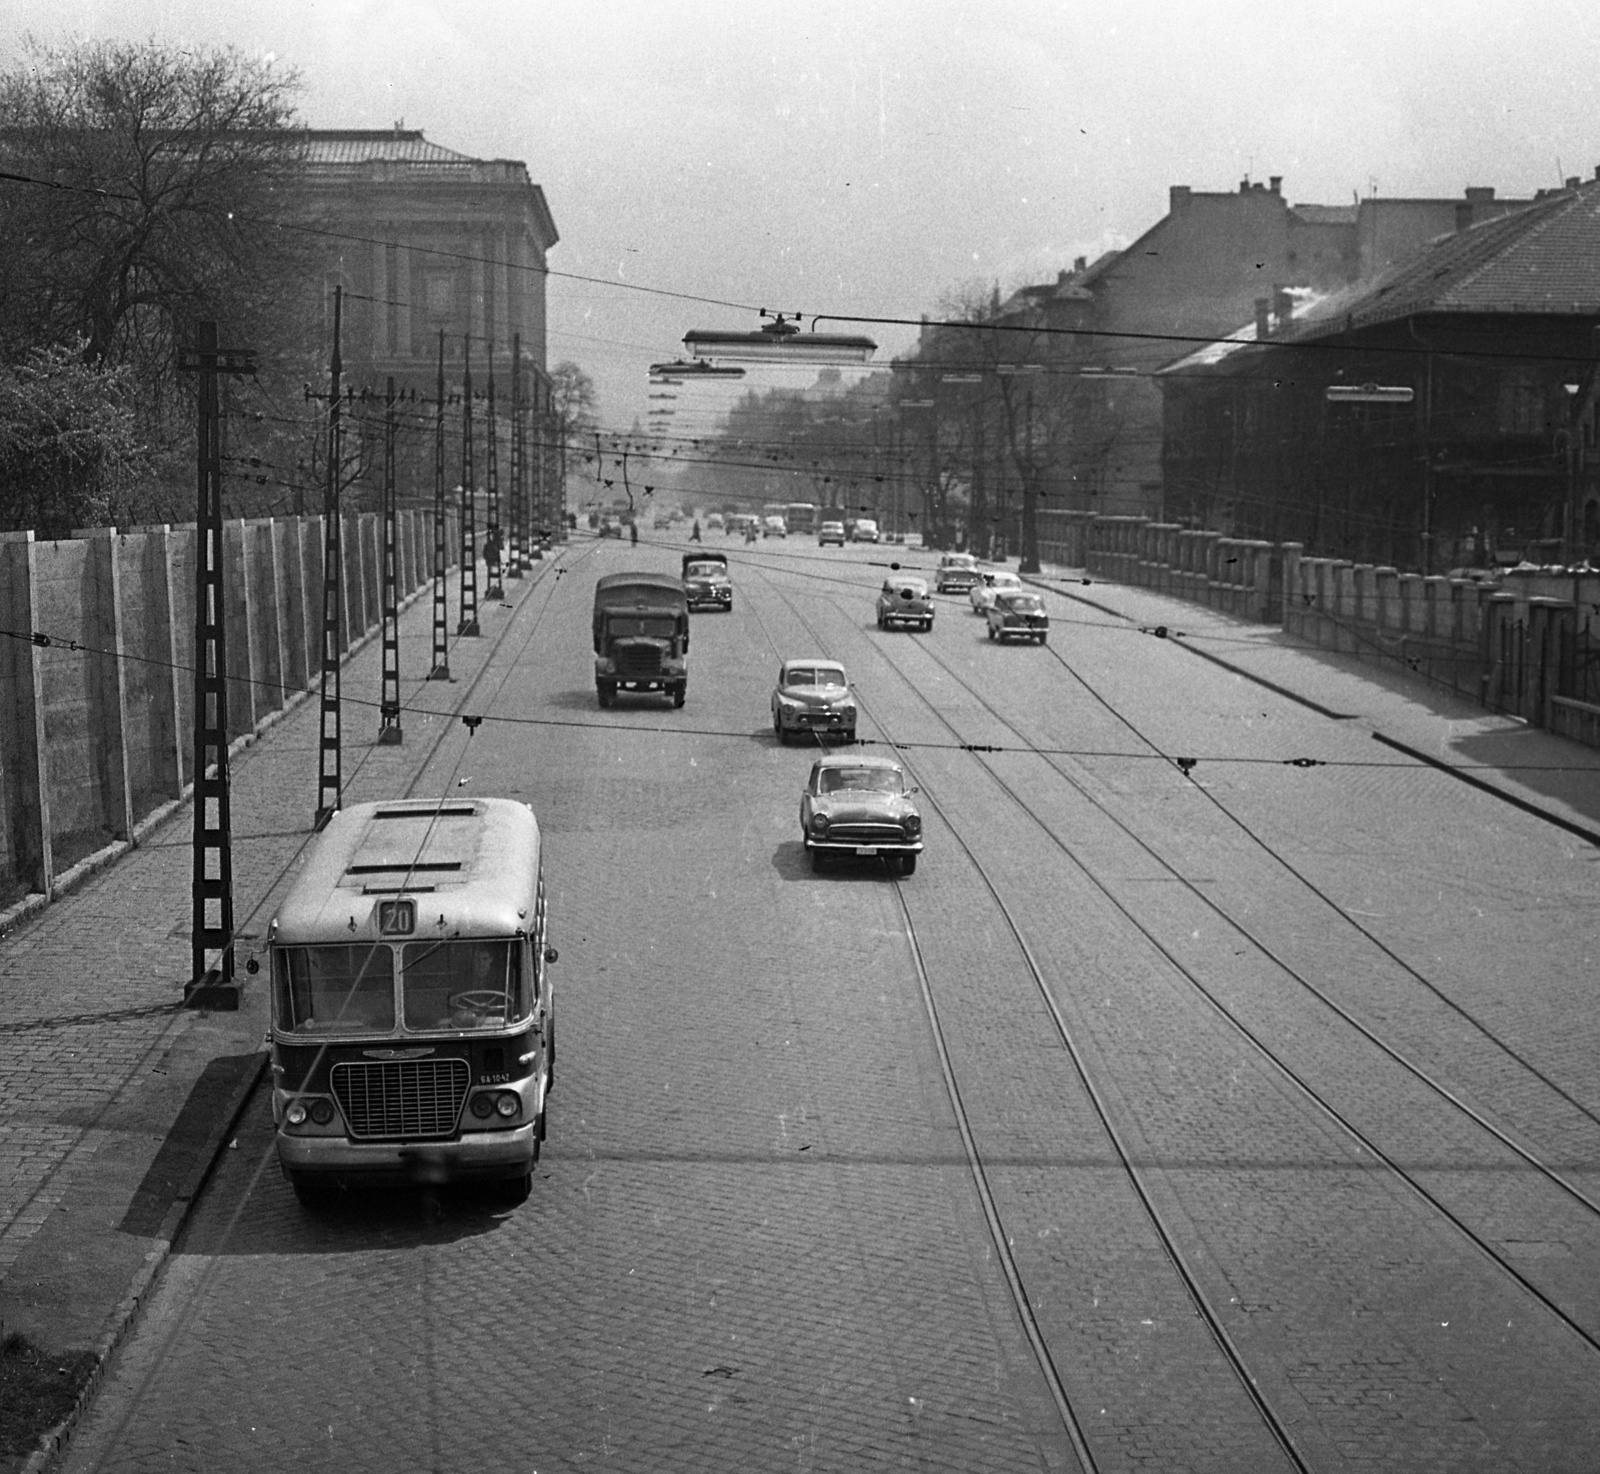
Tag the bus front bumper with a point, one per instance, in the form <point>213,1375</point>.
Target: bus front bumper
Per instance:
<point>482,1155</point>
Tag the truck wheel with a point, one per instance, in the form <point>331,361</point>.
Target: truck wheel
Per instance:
<point>606,693</point>
<point>679,692</point>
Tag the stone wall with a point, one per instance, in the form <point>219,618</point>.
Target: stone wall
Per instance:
<point>96,667</point>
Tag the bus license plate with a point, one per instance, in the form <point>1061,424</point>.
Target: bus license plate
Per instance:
<point>866,849</point>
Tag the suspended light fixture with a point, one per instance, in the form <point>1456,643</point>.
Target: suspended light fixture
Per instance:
<point>780,341</point>
<point>683,368</point>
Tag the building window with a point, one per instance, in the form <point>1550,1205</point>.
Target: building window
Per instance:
<point>441,289</point>
<point>1522,403</point>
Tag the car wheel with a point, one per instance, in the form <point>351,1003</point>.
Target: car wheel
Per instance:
<point>880,619</point>
<point>313,1189</point>
<point>850,736</point>
<point>992,634</point>
<point>816,862</point>
<point>908,864</point>
<point>1041,639</point>
<point>513,1191</point>
<point>778,730</point>
<point>679,694</point>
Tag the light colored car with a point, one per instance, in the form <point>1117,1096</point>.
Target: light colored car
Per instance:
<point>830,532</point>
<point>864,530</point>
<point>993,581</point>
<point>812,696</point>
<point>1017,615</point>
<point>904,600</point>
<point>956,574</point>
<point>774,527</point>
<point>713,521</point>
<point>860,807</point>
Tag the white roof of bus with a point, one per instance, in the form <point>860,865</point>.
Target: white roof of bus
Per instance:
<point>472,866</point>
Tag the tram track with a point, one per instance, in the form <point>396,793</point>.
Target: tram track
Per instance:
<point>1072,1421</point>
<point>1591,1338</point>
<point>1479,1242</point>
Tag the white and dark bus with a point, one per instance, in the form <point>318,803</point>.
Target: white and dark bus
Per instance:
<point>413,1036</point>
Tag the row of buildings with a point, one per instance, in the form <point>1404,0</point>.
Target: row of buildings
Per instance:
<point>1400,381</point>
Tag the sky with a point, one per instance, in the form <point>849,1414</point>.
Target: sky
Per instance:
<point>704,159</point>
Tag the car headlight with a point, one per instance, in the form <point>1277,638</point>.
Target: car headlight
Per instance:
<point>912,824</point>
<point>819,824</point>
<point>848,709</point>
<point>295,1113</point>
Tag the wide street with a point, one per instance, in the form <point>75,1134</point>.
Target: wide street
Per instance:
<point>1237,1113</point>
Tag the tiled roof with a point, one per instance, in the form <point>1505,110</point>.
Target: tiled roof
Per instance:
<point>362,145</point>
<point>1541,259</point>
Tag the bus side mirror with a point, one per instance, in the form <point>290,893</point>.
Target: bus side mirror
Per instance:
<point>551,955</point>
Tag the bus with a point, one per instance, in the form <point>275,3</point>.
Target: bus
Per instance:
<point>413,1028</point>
<point>801,516</point>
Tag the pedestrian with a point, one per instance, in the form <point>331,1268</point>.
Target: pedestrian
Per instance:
<point>694,532</point>
<point>491,551</point>
<point>633,533</point>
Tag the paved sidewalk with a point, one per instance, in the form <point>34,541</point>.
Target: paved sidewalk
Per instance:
<point>1559,778</point>
<point>115,1101</point>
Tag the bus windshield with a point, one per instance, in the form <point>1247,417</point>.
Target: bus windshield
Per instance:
<point>462,985</point>
<point>336,989</point>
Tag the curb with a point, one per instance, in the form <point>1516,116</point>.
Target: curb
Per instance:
<point>126,1315</point>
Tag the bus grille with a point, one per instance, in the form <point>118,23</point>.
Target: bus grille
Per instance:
<point>401,1098</point>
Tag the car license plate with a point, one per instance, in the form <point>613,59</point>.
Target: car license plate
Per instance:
<point>866,849</point>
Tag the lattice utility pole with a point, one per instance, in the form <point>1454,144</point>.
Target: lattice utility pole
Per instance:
<point>440,664</point>
<point>389,701</point>
<point>330,777</point>
<point>494,590</point>
<point>212,886</point>
<point>517,545</point>
<point>469,538</point>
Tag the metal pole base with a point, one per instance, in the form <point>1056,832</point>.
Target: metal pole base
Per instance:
<point>494,591</point>
<point>468,627</point>
<point>390,736</point>
<point>440,672</point>
<point>516,570</point>
<point>212,992</point>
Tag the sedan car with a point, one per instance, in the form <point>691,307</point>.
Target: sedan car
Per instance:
<point>905,601</point>
<point>957,573</point>
<point>864,530</point>
<point>1018,616</point>
<point>812,696</point>
<point>860,807</point>
<point>705,579</point>
<point>830,532</point>
<point>992,581</point>
<point>611,527</point>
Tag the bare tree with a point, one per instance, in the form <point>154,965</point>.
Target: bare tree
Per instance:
<point>152,188</point>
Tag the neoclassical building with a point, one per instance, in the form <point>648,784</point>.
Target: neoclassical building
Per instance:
<point>426,240</point>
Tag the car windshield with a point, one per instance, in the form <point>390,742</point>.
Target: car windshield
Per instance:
<point>344,989</point>
<point>704,570</point>
<point>807,675</point>
<point>462,985</point>
<point>1023,603</point>
<point>875,780</point>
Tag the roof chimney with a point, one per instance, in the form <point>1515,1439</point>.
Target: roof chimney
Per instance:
<point>1282,307</point>
<point>1275,183</point>
<point>1082,263</point>
<point>1263,320</point>
<point>1177,198</point>
<point>1574,182</point>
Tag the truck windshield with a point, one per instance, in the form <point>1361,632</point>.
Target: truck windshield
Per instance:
<point>337,989</point>
<point>462,985</point>
<point>661,627</point>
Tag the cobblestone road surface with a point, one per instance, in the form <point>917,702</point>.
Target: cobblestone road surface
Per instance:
<point>755,1241</point>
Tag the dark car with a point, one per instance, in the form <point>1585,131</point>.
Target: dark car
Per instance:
<point>1018,616</point>
<point>705,576</point>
